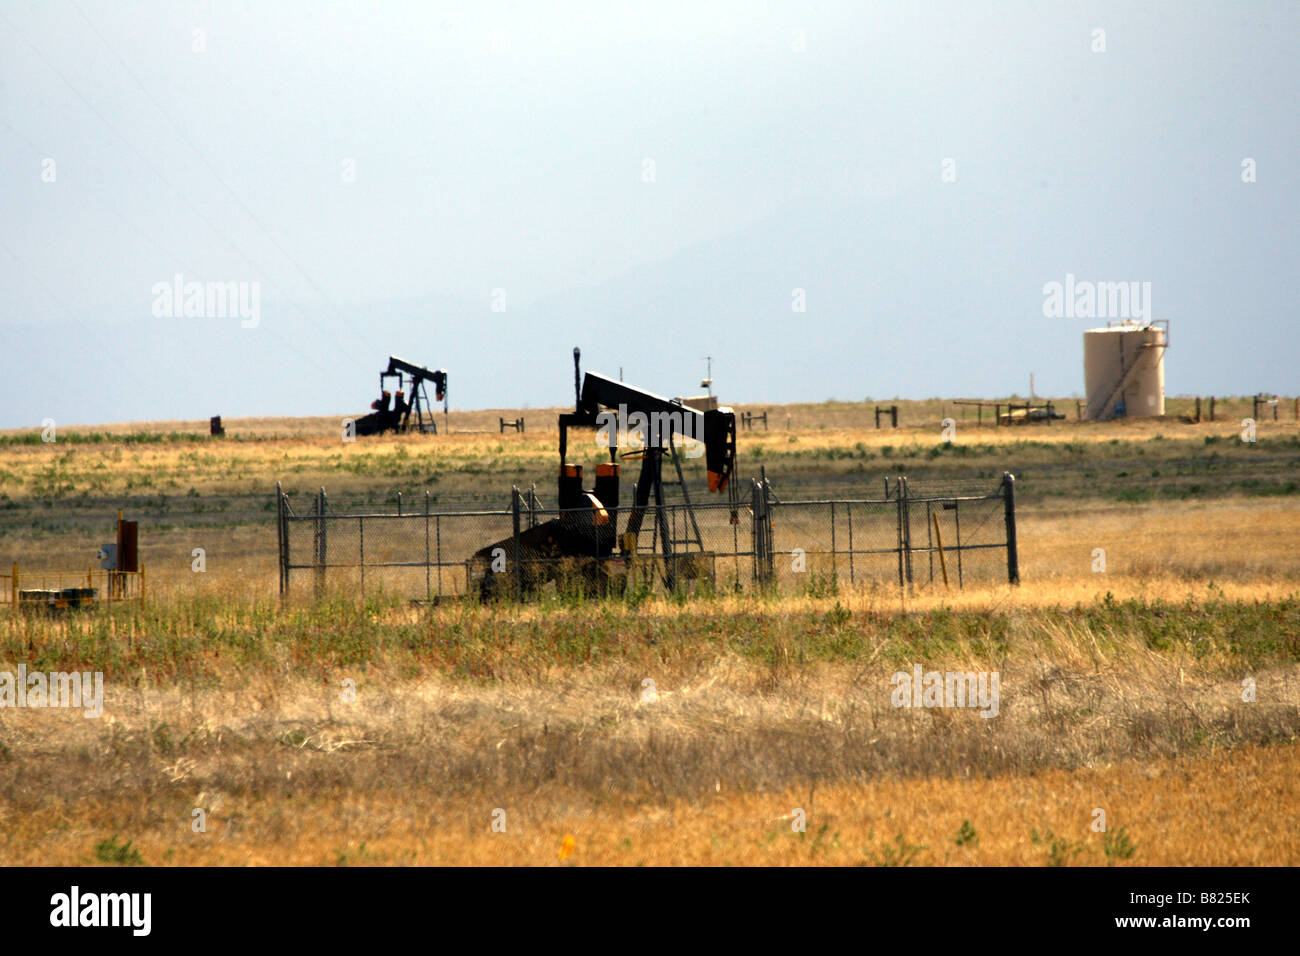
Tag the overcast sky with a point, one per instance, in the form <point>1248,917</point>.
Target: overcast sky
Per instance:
<point>832,200</point>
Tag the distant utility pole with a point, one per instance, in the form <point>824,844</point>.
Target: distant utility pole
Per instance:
<point>707,383</point>
<point>1031,388</point>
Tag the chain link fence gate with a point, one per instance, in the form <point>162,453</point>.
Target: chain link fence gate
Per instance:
<point>912,537</point>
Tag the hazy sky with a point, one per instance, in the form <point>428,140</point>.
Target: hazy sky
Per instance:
<point>482,186</point>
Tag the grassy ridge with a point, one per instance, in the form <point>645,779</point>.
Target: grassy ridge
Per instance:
<point>1107,461</point>
<point>211,641</point>
<point>19,439</point>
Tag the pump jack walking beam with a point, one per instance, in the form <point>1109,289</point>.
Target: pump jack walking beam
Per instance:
<point>600,401</point>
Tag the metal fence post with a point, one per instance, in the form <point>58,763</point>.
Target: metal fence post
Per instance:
<point>428,587</point>
<point>1009,501</point>
<point>768,536</point>
<point>907,525</point>
<point>514,517</point>
<point>280,533</point>
<point>322,549</point>
<point>902,577</point>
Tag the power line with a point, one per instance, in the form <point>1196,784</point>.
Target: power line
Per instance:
<point>153,169</point>
<point>269,330</point>
<point>202,156</point>
<point>162,178</point>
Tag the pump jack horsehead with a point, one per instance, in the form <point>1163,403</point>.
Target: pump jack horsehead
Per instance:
<point>583,541</point>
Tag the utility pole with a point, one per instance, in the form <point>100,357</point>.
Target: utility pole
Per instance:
<point>707,384</point>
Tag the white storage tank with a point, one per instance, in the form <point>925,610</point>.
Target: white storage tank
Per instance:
<point>1124,369</point>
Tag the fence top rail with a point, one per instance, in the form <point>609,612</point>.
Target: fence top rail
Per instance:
<point>892,501</point>
<point>649,508</point>
<point>344,565</point>
<point>405,515</point>
<point>915,499</point>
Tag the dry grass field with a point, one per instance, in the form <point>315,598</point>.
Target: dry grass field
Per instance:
<point>1174,812</point>
<point>1121,691</point>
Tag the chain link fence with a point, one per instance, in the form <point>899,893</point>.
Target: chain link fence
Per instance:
<point>912,537</point>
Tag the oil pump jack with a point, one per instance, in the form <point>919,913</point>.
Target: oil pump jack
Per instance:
<point>395,415</point>
<point>584,539</point>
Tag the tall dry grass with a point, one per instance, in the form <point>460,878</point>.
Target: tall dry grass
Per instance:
<point>543,713</point>
<point>1234,808</point>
